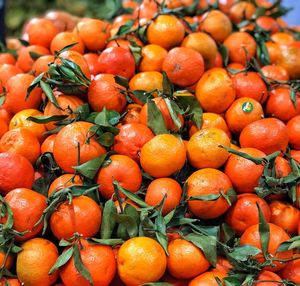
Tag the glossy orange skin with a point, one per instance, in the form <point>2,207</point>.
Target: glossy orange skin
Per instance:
<point>282,38</point>
<point>268,24</point>
<point>293,127</point>
<point>208,182</point>
<point>161,187</point>
<point>208,278</point>
<point>243,173</point>
<point>63,39</point>
<point>285,216</point>
<point>131,139</point>
<point>185,260</point>
<point>7,58</point>
<point>92,61</point>
<point>265,278</point>
<point>83,215</point>
<point>292,270</point>
<point>27,207</point>
<point>6,72</point>
<point>268,135</point>
<point>244,212</point>
<point>152,58</point>
<point>104,92</point>
<point>277,236</point>
<point>241,10</point>
<point>63,181</point>
<point>67,141</point>
<point>16,93</point>
<point>15,172</point>
<point>289,58</point>
<point>183,66</point>
<point>9,261</point>
<point>3,127</point>
<point>274,72</point>
<point>42,64</point>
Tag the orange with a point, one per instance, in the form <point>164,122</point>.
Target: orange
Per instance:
<point>204,44</point>
<point>64,181</point>
<point>6,72</point>
<point>94,33</point>
<point>251,85</point>
<point>164,187</point>
<point>9,261</point>
<point>277,236</point>
<point>82,215</point>
<point>92,62</point>
<point>216,24</point>
<point>185,260</point>
<point>207,182</point>
<point>20,121</point>
<point>35,261</point>
<point>42,64</point>
<point>63,39</point>
<point>28,212</point>
<point>16,90</point>
<point>282,38</point>
<point>15,172</point>
<point>289,58</point>
<point>241,112</point>
<point>215,81</point>
<point>138,254</point>
<point>208,278</point>
<point>293,127</point>
<point>291,271</point>
<point>63,21</point>
<point>281,106</point>
<point>3,127</point>
<point>267,278</point>
<point>21,141</point>
<point>152,58</point>
<point>7,58</point>
<point>117,61</point>
<point>183,66</point>
<point>268,23</point>
<point>203,149</point>
<point>273,50</point>
<point>274,72</point>
<point>157,155</point>
<point>104,92</point>
<point>10,281</point>
<point>267,135</point>
<point>242,10</point>
<point>243,173</point>
<point>166,31</point>
<point>124,170</point>
<point>131,138</point>
<point>223,265</point>
<point>244,212</point>
<point>69,139</point>
<point>99,261</point>
<point>41,32</point>
<point>241,46</point>
<point>147,81</point>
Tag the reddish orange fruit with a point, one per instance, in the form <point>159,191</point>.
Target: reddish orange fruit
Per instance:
<point>293,127</point>
<point>63,39</point>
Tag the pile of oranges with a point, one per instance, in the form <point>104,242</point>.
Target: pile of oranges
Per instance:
<point>161,147</point>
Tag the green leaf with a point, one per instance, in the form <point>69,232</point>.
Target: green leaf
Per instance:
<point>160,232</point>
<point>207,198</point>
<point>264,232</point>
<point>49,93</point>
<point>111,242</point>
<point>2,99</point>
<point>157,284</point>
<point>80,267</point>
<point>293,96</point>
<point>46,119</point>
<point>108,221</point>
<point>129,223</point>
<point>107,118</point>
<point>122,81</point>
<point>62,259</point>
<point>64,49</point>
<point>141,95</point>
<point>224,53</point>
<point>136,51</point>
<point>90,168</point>
<point>228,232</point>
<point>174,110</point>
<point>24,42</point>
<point>168,87</point>
<point>155,119</point>
<point>106,139</point>
<point>34,55</point>
<point>124,29</point>
<point>292,243</point>
<point>242,253</point>
<point>35,83</point>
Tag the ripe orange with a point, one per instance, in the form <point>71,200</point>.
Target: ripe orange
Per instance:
<point>92,62</point>
<point>99,261</point>
<point>42,64</point>
<point>183,66</point>
<point>215,81</point>
<point>35,261</point>
<point>282,38</point>
<point>124,170</point>
<point>15,172</point>
<point>64,181</point>
<point>157,155</point>
<point>63,39</point>
<point>203,149</point>
<point>10,281</point>
<point>267,278</point>
<point>3,127</point>
<point>164,187</point>
<point>6,72</point>
<point>274,72</point>
<point>69,139</point>
<point>138,254</point>
<point>166,31</point>
<point>241,10</point>
<point>9,261</point>
<point>293,127</point>
<point>152,58</point>
<point>7,58</point>
<point>208,278</point>
<point>291,271</point>
<point>268,23</point>
<point>206,182</point>
<point>147,81</point>
<point>289,58</point>
<point>63,21</point>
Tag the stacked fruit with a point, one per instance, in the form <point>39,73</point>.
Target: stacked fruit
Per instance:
<point>163,145</point>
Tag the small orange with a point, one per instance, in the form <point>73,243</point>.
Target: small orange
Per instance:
<point>7,58</point>
<point>274,72</point>
<point>289,58</point>
<point>267,278</point>
<point>42,64</point>
<point>48,143</point>
<point>268,23</point>
<point>152,58</point>
<point>147,81</point>
<point>293,127</point>
<point>291,271</point>
<point>63,39</point>
<point>208,278</point>
<point>241,10</point>
<point>64,181</point>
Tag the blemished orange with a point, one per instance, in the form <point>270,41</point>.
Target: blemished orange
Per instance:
<point>216,24</point>
<point>63,39</point>
<point>267,135</point>
<point>241,47</point>
<point>21,141</point>
<point>99,261</point>
<point>183,66</point>
<point>152,58</point>
<point>277,236</point>
<point>166,31</point>
<point>83,215</point>
<point>124,170</point>
<point>203,149</point>
<point>64,181</point>
<point>208,278</point>
<point>157,155</point>
<point>48,143</point>
<point>241,112</point>
<point>244,212</point>
<point>70,139</point>
<point>215,81</point>
<point>204,44</point>
<point>147,81</point>
<point>206,182</point>
<point>164,187</point>
<point>293,127</point>
<point>35,261</point>
<point>138,254</point>
<point>185,260</point>
<point>27,213</point>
